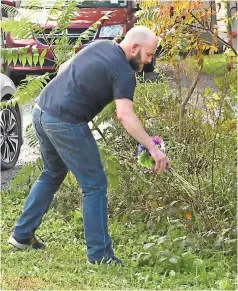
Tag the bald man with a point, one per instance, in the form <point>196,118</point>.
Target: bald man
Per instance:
<point>100,73</point>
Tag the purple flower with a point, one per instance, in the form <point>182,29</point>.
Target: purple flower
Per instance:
<point>141,148</point>
<point>157,140</point>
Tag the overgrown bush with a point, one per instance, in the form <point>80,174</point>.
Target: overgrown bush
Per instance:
<point>205,158</point>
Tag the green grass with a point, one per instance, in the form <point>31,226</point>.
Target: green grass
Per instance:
<point>216,65</point>
<point>180,261</point>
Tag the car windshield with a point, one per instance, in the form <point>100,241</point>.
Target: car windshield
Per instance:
<point>81,3</point>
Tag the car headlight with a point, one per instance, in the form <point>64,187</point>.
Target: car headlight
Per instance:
<point>111,31</point>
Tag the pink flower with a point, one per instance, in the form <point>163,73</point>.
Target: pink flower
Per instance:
<point>157,140</point>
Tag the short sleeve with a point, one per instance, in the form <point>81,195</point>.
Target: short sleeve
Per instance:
<point>124,86</point>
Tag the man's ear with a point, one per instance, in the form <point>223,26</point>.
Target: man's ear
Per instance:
<point>134,49</point>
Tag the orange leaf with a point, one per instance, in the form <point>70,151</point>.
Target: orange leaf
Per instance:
<point>189,215</point>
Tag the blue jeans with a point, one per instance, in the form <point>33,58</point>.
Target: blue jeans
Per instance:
<point>68,146</point>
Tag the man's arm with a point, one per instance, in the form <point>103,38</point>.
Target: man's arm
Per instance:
<point>132,124</point>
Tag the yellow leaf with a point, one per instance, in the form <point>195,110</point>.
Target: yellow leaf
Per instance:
<point>211,104</point>
<point>216,96</point>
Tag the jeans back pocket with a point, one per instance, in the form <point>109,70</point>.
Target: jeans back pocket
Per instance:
<point>63,139</point>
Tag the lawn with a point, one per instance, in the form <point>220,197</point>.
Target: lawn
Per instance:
<point>177,260</point>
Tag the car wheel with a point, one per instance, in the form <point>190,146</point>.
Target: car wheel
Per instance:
<point>10,138</point>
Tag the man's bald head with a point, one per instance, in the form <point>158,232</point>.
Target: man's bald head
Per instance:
<point>140,34</point>
<point>139,45</point>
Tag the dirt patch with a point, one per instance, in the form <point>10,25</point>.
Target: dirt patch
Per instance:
<point>22,283</point>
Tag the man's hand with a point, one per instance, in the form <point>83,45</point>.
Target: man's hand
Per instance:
<point>161,160</point>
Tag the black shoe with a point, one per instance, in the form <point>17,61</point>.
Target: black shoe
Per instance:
<point>26,243</point>
<point>109,261</point>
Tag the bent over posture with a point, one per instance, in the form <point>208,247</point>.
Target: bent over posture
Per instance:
<point>100,73</point>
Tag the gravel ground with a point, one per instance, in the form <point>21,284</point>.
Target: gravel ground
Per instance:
<point>29,154</point>
<point>205,81</point>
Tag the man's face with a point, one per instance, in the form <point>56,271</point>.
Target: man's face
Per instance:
<point>141,56</point>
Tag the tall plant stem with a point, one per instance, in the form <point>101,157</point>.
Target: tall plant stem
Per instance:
<point>98,130</point>
<point>214,151</point>
<point>184,103</point>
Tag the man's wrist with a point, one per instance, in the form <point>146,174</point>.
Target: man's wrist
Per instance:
<point>152,148</point>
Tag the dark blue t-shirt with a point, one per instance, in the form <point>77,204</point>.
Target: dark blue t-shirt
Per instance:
<point>97,75</point>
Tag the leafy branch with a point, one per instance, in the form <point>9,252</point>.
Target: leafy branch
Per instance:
<point>213,34</point>
<point>27,91</point>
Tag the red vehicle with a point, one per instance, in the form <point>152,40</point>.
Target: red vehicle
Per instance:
<point>14,3</point>
<point>123,19</point>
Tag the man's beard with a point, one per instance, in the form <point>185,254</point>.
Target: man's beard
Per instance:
<point>135,62</point>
